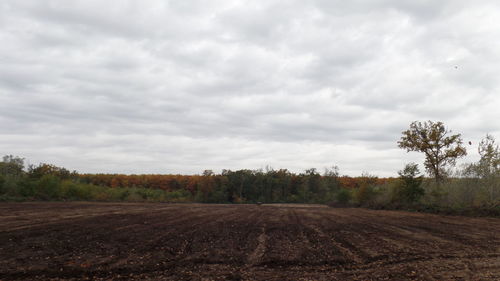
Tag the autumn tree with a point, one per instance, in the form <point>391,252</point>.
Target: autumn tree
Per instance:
<point>441,148</point>
<point>365,193</point>
<point>42,169</point>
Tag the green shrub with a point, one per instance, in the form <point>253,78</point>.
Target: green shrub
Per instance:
<point>134,197</point>
<point>10,185</point>
<point>409,186</point>
<point>2,181</point>
<point>48,187</point>
<point>343,196</point>
<point>177,196</point>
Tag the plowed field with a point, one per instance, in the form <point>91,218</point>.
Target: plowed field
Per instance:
<point>75,241</point>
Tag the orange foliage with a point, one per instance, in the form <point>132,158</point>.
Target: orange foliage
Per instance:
<point>190,183</point>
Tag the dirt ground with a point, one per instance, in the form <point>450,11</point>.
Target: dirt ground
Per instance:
<point>124,241</point>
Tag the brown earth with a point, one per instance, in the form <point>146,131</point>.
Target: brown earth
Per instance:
<point>103,241</point>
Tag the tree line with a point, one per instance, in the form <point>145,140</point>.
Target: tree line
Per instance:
<point>472,185</point>
<point>46,182</point>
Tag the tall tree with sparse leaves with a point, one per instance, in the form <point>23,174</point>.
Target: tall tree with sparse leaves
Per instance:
<point>441,148</point>
<point>489,164</point>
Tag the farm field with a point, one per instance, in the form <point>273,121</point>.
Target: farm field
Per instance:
<point>133,241</point>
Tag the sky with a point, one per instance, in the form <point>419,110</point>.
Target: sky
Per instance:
<point>184,86</point>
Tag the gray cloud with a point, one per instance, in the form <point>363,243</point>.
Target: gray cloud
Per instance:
<point>183,86</point>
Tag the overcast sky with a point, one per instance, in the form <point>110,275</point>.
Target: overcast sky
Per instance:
<point>184,86</point>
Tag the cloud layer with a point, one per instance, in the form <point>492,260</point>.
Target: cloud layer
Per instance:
<point>183,86</point>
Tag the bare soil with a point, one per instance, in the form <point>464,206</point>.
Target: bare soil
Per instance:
<point>124,241</point>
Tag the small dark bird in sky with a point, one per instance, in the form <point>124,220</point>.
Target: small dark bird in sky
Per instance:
<point>470,143</point>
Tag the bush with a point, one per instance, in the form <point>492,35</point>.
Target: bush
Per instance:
<point>48,187</point>
<point>10,185</point>
<point>2,181</point>
<point>409,187</point>
<point>178,196</point>
<point>134,197</point>
<point>343,196</point>
<point>365,195</point>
